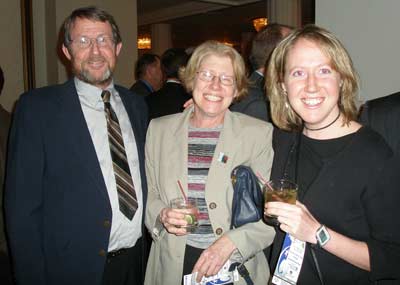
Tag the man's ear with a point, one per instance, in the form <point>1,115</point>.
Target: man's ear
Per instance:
<point>118,48</point>
<point>151,69</point>
<point>66,52</point>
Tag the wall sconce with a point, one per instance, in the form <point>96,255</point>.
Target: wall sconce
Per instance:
<point>144,43</point>
<point>260,23</point>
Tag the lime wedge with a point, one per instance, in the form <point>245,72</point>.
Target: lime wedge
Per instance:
<point>189,219</point>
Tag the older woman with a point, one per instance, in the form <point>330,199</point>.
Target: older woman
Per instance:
<point>200,147</point>
<point>348,186</point>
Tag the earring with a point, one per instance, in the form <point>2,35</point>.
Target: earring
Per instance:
<point>286,105</point>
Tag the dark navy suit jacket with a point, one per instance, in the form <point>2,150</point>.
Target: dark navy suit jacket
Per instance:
<point>383,115</point>
<point>256,103</point>
<point>168,100</point>
<point>57,207</point>
<point>140,88</point>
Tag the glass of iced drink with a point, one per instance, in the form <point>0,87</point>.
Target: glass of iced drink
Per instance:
<point>279,190</point>
<point>189,208</point>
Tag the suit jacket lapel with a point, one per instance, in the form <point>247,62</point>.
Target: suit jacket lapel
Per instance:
<point>72,122</point>
<point>227,146</point>
<point>179,152</point>
<point>258,80</point>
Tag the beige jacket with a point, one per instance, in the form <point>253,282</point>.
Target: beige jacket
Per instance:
<point>244,140</point>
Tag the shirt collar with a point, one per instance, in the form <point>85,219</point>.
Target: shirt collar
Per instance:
<point>147,85</point>
<point>260,73</point>
<point>173,80</point>
<point>91,94</point>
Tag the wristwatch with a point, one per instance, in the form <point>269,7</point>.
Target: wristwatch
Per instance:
<point>322,236</point>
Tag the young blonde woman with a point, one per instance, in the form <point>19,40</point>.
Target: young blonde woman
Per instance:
<point>347,175</point>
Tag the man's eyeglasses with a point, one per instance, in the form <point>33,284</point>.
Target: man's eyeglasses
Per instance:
<point>208,76</point>
<point>84,42</point>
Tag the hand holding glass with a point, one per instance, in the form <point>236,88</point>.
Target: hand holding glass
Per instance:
<point>189,208</point>
<point>280,190</point>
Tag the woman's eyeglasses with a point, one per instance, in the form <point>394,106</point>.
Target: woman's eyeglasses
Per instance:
<point>208,76</point>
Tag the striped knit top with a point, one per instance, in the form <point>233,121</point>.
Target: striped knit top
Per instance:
<point>202,143</point>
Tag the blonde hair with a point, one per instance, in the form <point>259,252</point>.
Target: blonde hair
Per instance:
<point>188,73</point>
<point>282,114</point>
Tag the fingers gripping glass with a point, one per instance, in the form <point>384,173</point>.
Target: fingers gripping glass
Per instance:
<point>208,76</point>
<point>84,42</point>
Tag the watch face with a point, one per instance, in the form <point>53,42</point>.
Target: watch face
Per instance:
<point>322,236</point>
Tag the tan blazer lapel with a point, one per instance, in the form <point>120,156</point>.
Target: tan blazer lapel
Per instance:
<point>179,154</point>
<point>227,147</point>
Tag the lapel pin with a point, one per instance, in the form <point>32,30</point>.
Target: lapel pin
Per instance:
<point>222,157</point>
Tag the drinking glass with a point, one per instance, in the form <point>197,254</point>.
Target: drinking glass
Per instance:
<point>279,190</point>
<point>189,208</point>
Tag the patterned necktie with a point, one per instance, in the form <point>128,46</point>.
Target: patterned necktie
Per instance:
<point>125,188</point>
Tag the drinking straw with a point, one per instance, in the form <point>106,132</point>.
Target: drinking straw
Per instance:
<point>183,192</point>
<point>263,180</point>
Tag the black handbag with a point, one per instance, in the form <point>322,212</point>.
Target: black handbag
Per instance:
<point>247,206</point>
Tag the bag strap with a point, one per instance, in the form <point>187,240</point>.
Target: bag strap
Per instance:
<point>242,271</point>
<point>295,151</point>
<point>314,256</point>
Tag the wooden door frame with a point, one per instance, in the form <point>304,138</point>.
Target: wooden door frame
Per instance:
<point>27,44</point>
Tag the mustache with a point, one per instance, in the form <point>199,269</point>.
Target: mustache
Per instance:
<point>95,58</point>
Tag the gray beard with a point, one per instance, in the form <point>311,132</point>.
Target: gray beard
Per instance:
<point>85,76</point>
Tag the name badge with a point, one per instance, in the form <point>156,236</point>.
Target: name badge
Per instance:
<point>224,276</point>
<point>290,261</point>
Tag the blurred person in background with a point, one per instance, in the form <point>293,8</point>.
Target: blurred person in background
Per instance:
<point>383,115</point>
<point>5,121</point>
<point>148,74</point>
<point>172,95</point>
<point>256,103</point>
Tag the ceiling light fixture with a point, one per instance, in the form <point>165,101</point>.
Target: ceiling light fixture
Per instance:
<point>260,23</point>
<point>144,42</point>
<point>227,43</point>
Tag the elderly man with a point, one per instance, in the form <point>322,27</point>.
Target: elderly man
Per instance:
<point>75,186</point>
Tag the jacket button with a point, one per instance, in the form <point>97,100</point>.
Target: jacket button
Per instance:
<point>219,231</point>
<point>107,224</point>
<point>102,252</point>
<point>212,205</point>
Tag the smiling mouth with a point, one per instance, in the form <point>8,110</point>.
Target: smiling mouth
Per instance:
<point>96,63</point>
<point>311,102</point>
<point>213,98</point>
